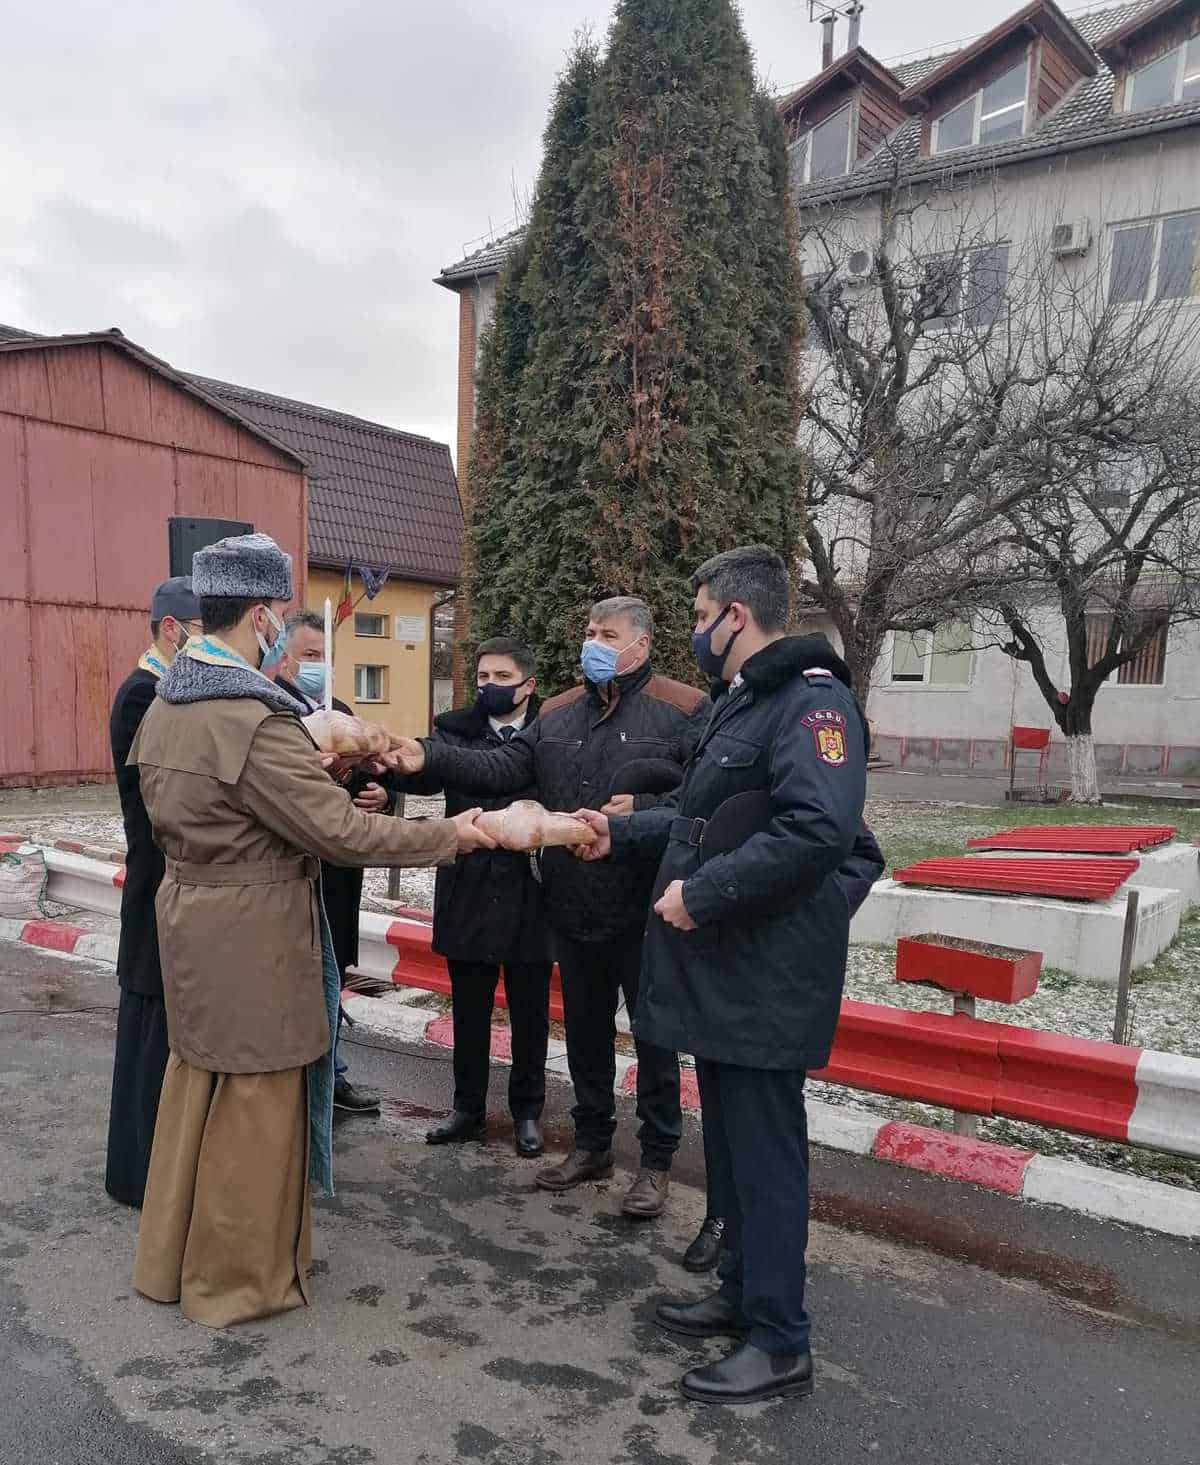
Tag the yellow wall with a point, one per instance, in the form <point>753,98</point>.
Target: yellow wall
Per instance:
<point>406,705</point>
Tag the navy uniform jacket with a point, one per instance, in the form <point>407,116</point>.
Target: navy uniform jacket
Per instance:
<point>138,968</point>
<point>759,982</point>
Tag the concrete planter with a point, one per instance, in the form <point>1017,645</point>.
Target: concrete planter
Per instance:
<point>993,973</point>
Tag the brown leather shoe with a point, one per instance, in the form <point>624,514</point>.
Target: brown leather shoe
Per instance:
<point>579,1166</point>
<point>648,1194</point>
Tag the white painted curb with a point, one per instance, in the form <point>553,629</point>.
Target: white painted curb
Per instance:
<point>1113,1196</point>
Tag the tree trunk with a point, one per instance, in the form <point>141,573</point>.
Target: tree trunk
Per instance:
<point>1081,759</point>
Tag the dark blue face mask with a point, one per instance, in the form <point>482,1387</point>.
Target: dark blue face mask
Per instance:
<point>497,700</point>
<point>710,662</point>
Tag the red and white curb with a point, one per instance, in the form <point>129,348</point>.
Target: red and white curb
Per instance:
<point>59,937</point>
<point>1106,1194</point>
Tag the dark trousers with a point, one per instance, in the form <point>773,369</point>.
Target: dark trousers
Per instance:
<point>473,991</point>
<point>139,1063</point>
<point>756,1134</point>
<point>594,974</point>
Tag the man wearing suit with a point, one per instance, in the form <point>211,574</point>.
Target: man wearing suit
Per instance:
<point>141,1050</point>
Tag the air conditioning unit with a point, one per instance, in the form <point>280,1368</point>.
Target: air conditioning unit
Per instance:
<point>1072,237</point>
<point>859,268</point>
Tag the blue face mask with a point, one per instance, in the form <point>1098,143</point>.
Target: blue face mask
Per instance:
<point>272,655</point>
<point>710,662</point>
<point>310,678</point>
<point>599,661</point>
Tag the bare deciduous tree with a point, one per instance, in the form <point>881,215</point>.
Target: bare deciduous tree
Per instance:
<point>962,425</point>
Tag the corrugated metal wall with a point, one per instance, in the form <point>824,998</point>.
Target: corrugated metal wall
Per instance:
<point>96,452</point>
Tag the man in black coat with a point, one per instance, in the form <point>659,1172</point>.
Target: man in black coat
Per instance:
<point>487,914</point>
<point>140,1059</point>
<point>762,855</point>
<point>573,754</point>
<point>300,670</point>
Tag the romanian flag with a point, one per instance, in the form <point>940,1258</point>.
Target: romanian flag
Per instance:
<point>345,606</point>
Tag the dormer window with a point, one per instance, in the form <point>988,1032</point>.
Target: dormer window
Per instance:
<point>993,114</point>
<point>1174,77</point>
<point>824,151</point>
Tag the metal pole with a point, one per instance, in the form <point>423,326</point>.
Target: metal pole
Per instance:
<point>1125,975</point>
<point>393,873</point>
<point>965,1124</point>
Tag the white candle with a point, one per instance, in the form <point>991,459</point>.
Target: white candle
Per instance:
<point>328,655</point>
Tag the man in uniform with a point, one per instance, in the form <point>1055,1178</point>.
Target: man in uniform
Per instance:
<point>745,952</point>
<point>243,808</point>
<point>141,1050</point>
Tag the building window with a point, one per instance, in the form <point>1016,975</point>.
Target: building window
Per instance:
<point>1147,668</point>
<point>1174,77</point>
<point>966,288</point>
<point>1156,260</point>
<point>942,658</point>
<point>824,151</point>
<point>370,683</point>
<point>370,625</point>
<point>994,114</point>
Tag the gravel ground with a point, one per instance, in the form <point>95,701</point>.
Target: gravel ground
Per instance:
<point>1165,1000</point>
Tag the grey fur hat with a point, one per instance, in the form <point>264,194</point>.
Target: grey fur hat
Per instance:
<point>243,567</point>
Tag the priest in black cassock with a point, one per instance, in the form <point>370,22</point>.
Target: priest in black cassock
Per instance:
<point>141,1052</point>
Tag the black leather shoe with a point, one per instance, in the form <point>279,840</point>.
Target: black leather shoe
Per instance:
<point>527,1136</point>
<point>457,1130</point>
<point>748,1375</point>
<point>579,1165</point>
<point>702,1255</point>
<point>354,1100</point>
<point>712,1317</point>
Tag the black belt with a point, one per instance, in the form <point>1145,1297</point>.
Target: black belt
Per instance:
<point>687,831</point>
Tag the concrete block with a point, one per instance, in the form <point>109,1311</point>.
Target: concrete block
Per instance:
<point>1184,762</point>
<point>989,755</point>
<point>1143,758</point>
<point>954,754</point>
<point>919,753</point>
<point>1082,937</point>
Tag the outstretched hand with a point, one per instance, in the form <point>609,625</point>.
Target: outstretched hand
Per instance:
<point>599,824</point>
<point>408,756</point>
<point>470,836</point>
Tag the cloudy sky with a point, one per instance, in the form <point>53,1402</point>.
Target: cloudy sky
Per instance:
<point>262,190</point>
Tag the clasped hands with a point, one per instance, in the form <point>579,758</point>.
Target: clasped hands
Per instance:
<point>670,904</point>
<point>409,757</point>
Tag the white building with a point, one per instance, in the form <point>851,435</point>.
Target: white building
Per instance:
<point>1090,122</point>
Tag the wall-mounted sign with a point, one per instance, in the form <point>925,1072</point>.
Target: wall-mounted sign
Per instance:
<point>412,629</point>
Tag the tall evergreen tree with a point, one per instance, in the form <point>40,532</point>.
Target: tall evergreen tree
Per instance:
<point>648,419</point>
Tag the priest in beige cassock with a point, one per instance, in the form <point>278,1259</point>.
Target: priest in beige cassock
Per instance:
<point>243,808</point>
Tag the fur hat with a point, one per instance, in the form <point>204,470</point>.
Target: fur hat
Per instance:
<point>244,567</point>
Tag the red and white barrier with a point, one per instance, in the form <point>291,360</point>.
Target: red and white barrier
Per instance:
<point>1100,1089</point>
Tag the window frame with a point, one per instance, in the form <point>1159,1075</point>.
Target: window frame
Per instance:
<point>927,655</point>
<point>978,117</point>
<point>1151,297</point>
<point>1180,52</point>
<point>805,141</point>
<point>1119,678</point>
<point>363,667</point>
<point>366,615</point>
<point>967,262</point>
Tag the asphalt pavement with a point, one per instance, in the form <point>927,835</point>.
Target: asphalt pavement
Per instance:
<point>461,1315</point>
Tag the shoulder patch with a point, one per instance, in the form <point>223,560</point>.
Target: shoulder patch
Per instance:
<point>563,699</point>
<point>828,727</point>
<point>676,694</point>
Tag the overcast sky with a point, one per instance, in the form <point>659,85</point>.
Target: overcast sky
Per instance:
<point>262,190</point>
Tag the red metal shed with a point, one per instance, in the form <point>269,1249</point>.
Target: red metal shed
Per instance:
<point>100,442</point>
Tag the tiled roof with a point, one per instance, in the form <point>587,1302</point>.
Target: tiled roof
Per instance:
<point>1084,118</point>
<point>376,495</point>
<point>484,261</point>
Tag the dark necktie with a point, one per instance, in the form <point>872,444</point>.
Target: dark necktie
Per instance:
<point>506,733</point>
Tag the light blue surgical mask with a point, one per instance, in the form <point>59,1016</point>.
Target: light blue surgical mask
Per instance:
<point>599,661</point>
<point>272,655</point>
<point>310,678</point>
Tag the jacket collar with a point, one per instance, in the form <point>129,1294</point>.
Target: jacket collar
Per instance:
<point>472,721</point>
<point>630,681</point>
<point>785,660</point>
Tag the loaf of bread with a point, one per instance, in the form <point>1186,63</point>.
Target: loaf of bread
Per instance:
<point>345,736</point>
<point>526,825</point>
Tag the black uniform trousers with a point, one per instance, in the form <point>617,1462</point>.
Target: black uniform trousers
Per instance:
<point>138,1068</point>
<point>756,1145</point>
<point>594,974</point>
<point>473,991</point>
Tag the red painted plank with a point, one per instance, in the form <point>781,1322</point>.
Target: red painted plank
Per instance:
<point>205,487</point>
<point>1097,839</point>
<point>75,393</point>
<point>274,502</point>
<point>183,421</point>
<point>23,385</point>
<point>59,465</point>
<point>126,385</point>
<point>16,677</point>
<point>14,562</point>
<point>1067,878</point>
<point>133,495</point>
